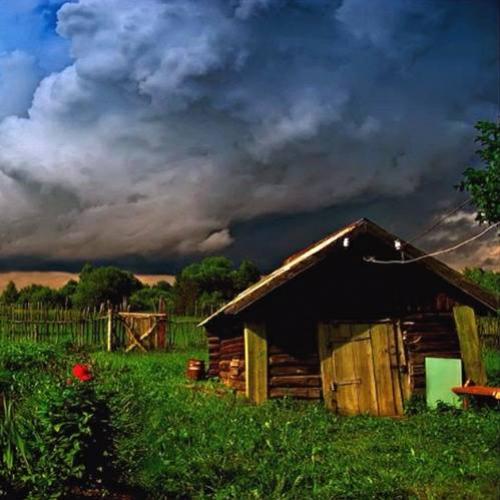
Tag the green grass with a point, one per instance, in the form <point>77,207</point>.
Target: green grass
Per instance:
<point>491,359</point>
<point>176,439</point>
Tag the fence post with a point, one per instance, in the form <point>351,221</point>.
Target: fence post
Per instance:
<point>110,330</point>
<point>161,331</point>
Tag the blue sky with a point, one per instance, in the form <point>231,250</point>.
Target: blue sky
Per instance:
<point>150,133</point>
<point>30,26</point>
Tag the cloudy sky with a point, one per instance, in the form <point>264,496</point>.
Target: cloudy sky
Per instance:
<point>151,132</point>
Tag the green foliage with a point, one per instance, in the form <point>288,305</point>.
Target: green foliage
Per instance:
<point>67,291</point>
<point>60,433</point>
<point>247,274</point>
<point>12,444</point>
<point>175,440</point>
<point>492,364</point>
<point>98,285</point>
<point>212,281</point>
<point>489,280</point>
<point>71,438</point>
<point>183,442</point>
<point>39,294</point>
<point>10,295</point>
<point>148,297</point>
<point>484,185</point>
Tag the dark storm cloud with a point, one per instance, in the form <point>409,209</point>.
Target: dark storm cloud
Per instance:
<point>180,121</point>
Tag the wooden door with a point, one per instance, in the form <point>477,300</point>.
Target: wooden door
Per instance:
<point>360,369</point>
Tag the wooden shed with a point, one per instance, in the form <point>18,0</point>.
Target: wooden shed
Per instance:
<point>329,323</point>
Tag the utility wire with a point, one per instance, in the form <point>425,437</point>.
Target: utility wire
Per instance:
<point>439,221</point>
<point>433,254</point>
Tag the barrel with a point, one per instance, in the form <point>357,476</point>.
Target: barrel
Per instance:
<point>196,369</point>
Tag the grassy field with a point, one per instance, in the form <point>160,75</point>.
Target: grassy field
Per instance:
<point>167,438</point>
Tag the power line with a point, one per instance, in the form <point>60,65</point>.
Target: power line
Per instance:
<point>433,254</point>
<point>440,220</point>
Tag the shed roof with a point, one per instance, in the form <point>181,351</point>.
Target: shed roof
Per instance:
<point>310,256</point>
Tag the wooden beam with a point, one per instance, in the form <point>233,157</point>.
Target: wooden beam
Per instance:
<point>465,322</point>
<point>325,339</point>
<point>256,362</point>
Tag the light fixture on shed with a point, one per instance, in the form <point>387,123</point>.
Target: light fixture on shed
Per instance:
<point>345,242</point>
<point>397,244</point>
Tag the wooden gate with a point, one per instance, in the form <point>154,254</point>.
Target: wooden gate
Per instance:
<point>144,331</point>
<point>360,368</point>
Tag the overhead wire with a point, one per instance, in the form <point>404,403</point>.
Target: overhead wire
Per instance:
<point>372,260</point>
<point>439,221</point>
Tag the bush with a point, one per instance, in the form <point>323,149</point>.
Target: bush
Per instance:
<point>72,439</point>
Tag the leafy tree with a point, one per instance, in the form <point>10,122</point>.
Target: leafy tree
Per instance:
<point>212,281</point>
<point>186,293</point>
<point>10,295</point>
<point>39,294</point>
<point>483,185</point>
<point>489,280</point>
<point>163,285</point>
<point>98,285</point>
<point>247,274</point>
<point>67,291</point>
<point>148,298</point>
<point>212,274</point>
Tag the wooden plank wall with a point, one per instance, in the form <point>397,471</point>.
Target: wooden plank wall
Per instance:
<point>427,335</point>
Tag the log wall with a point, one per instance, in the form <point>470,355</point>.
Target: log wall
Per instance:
<point>213,355</point>
<point>295,375</point>
<point>427,335</point>
<point>227,361</point>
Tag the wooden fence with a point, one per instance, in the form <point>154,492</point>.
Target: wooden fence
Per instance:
<point>91,328</point>
<point>489,331</point>
<point>96,329</point>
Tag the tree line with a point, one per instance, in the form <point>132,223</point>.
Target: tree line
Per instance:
<point>198,287</point>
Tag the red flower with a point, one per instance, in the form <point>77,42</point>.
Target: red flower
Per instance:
<point>82,372</point>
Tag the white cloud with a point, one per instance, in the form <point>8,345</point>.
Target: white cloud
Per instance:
<point>19,77</point>
<point>179,118</point>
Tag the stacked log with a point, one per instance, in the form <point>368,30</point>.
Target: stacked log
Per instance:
<point>232,363</point>
<point>428,335</point>
<point>213,356</point>
<point>296,376</point>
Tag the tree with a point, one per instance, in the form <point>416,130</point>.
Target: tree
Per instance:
<point>212,274</point>
<point>67,291</point>
<point>483,185</point>
<point>211,282</point>
<point>39,294</point>
<point>10,295</point>
<point>98,285</point>
<point>489,280</point>
<point>247,274</point>
<point>148,298</point>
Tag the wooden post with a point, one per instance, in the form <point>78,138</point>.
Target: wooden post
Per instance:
<point>161,329</point>
<point>465,322</point>
<point>110,330</point>
<point>256,362</point>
